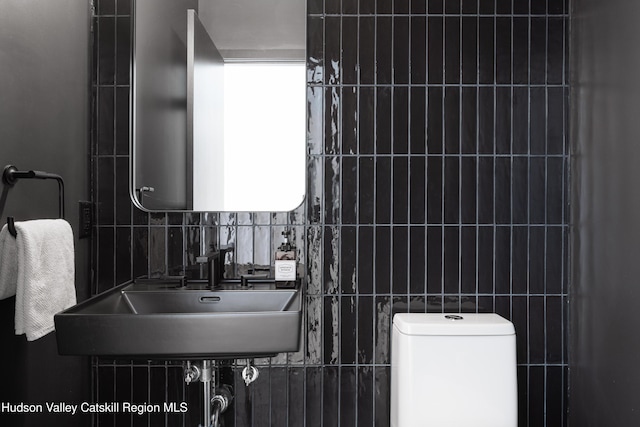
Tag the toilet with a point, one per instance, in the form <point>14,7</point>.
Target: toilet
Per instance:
<point>453,370</point>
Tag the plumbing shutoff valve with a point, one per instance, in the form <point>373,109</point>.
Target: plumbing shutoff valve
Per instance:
<point>249,374</point>
<point>191,373</point>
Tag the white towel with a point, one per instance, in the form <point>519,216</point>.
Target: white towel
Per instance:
<point>8,264</point>
<point>45,274</point>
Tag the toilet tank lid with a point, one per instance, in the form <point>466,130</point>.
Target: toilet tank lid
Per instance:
<point>452,324</point>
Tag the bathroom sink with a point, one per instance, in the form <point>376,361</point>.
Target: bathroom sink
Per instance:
<point>159,320</point>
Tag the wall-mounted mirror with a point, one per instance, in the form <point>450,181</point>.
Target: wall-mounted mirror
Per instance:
<point>218,105</point>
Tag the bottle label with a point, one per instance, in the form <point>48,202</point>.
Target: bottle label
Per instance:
<point>285,270</point>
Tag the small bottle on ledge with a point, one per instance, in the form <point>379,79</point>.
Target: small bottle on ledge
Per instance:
<point>285,264</point>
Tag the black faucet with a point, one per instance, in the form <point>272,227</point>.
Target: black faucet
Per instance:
<point>215,266</point>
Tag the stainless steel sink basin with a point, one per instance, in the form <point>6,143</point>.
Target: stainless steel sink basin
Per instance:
<point>158,320</point>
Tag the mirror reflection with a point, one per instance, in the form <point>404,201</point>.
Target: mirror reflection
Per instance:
<point>218,97</point>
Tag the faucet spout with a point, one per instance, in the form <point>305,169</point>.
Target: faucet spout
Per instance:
<point>215,263</point>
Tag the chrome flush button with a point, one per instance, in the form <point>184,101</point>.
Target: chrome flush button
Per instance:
<point>453,317</point>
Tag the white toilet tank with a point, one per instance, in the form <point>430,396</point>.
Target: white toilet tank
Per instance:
<point>453,370</point>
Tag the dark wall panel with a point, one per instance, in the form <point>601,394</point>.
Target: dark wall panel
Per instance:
<point>605,205</point>
<point>44,125</point>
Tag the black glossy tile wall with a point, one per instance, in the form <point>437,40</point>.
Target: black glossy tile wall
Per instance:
<point>438,175</point>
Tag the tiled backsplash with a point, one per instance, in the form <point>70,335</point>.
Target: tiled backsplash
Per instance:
<point>438,170</point>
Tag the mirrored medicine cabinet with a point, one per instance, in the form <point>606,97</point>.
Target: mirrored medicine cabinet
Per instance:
<point>218,105</point>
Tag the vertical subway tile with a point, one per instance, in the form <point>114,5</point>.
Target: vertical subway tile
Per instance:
<point>417,190</point>
<point>503,261</point>
<point>365,260</point>
<point>348,327</point>
<point>451,254</point>
<point>554,396</point>
<point>122,200</point>
<point>123,255</point>
<point>520,116</point>
<point>538,7</point>
<point>330,397</point>
<point>315,49</point>
<point>468,260</point>
<point>536,260</point>
<point>502,187</point>
<point>122,121</point>
<point>434,189</point>
<point>538,59</point>
<point>106,101</point>
<point>314,329</point>
<point>350,121</point>
<point>400,260</point>
<point>537,190</point>
<point>382,329</point>
<point>332,55</point>
<point>382,265</point>
<point>485,260</point>
<point>400,190</point>
<point>366,49</point>
<point>416,255</point>
<point>384,49</point>
<point>554,190</point>
<point>452,120</point>
<point>417,129</point>
<point>469,49</point>
<point>313,407</point>
<point>123,50</point>
<point>278,395</point>
<point>348,239</point>
<point>418,48</point>
<point>106,266</point>
<point>106,54</point>
<point>295,405</point>
<point>366,190</point>
<point>503,50</point>
<point>434,120</point>
<point>452,48</point>
<point>469,122</point>
<point>486,120</point>
<point>537,120</point>
<point>519,260</point>
<point>468,188</point>
<point>383,190</point>
<point>435,6</point>
<point>157,250</point>
<point>434,259</point>
<point>435,43</point>
<point>349,190</point>
<point>553,329</point>
<point>503,120</point>
<point>452,7</point>
<point>383,120</point>
<point>365,329</point>
<point>520,49</point>
<point>555,120</point>
<point>365,396</point>
<point>382,387</point>
<point>400,120</point>
<point>349,38</point>
<point>486,190</point>
<point>486,63</point>
<point>366,121</point>
<point>348,397</point>
<point>536,400</point>
<point>451,190</point>
<point>554,260</point>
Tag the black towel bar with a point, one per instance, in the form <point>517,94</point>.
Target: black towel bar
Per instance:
<point>11,175</point>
